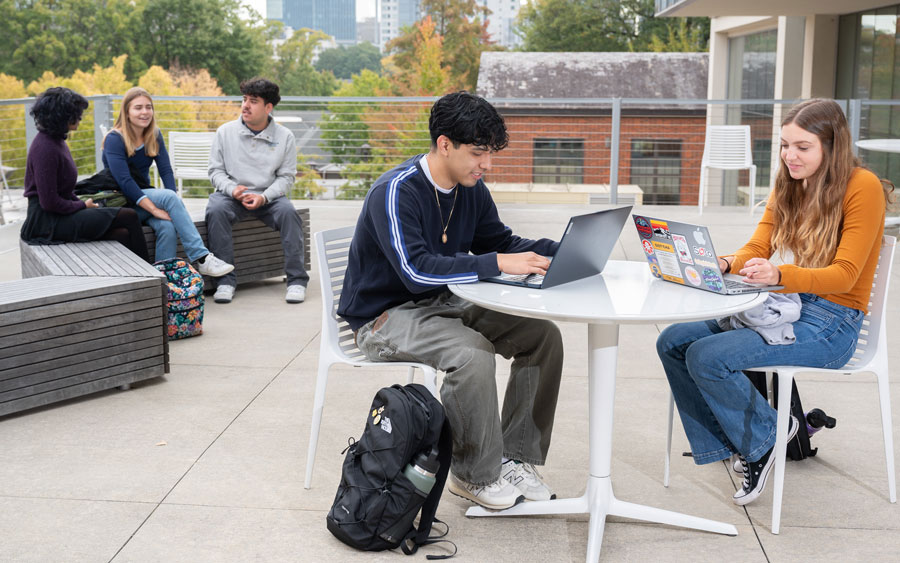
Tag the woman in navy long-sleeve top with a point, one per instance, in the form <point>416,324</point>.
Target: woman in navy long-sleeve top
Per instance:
<point>134,144</point>
<point>54,213</point>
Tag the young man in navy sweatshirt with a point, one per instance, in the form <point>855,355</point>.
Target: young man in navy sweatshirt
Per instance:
<point>431,222</point>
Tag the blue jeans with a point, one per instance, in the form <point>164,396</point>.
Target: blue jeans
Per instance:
<point>181,226</point>
<point>722,413</point>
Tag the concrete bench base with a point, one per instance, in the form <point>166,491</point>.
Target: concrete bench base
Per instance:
<point>63,337</point>
<point>257,249</point>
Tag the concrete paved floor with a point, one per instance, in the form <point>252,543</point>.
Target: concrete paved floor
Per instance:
<point>207,463</point>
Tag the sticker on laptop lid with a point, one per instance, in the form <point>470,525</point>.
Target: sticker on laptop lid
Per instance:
<point>660,228</point>
<point>692,276</point>
<point>643,227</point>
<point>712,279</point>
<point>654,266</point>
<point>668,265</point>
<point>684,252</point>
<point>648,248</point>
<point>663,247</point>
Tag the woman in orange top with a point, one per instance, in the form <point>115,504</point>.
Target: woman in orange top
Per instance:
<point>827,211</point>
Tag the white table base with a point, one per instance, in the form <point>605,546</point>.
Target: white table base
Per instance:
<point>598,499</point>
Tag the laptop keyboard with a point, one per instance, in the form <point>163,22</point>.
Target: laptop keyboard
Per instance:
<point>734,284</point>
<point>527,278</point>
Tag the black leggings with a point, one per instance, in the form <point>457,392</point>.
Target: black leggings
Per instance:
<point>126,229</point>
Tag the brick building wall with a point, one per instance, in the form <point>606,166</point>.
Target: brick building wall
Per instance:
<point>515,164</point>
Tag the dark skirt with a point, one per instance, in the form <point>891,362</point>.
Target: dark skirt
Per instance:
<point>86,225</point>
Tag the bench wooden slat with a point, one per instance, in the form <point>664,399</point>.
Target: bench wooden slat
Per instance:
<point>62,335</point>
<point>126,375</point>
<point>90,360</point>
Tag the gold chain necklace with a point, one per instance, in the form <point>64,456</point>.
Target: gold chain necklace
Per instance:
<point>438,201</point>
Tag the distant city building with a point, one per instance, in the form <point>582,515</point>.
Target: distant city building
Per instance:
<point>335,17</point>
<point>367,31</point>
<point>502,20</point>
<point>392,16</point>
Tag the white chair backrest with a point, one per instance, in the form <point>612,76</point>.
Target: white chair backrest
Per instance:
<point>104,130</point>
<point>872,336</point>
<point>188,149</point>
<point>333,249</point>
<point>727,147</point>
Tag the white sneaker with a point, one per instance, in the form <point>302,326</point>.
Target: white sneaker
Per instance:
<point>214,267</point>
<point>496,496</point>
<point>526,478</point>
<point>224,294</point>
<point>295,294</point>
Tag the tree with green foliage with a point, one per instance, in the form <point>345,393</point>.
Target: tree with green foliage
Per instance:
<point>293,68</point>
<point>208,34</point>
<point>462,28</point>
<point>344,62</point>
<point>607,25</point>
<point>62,37</point>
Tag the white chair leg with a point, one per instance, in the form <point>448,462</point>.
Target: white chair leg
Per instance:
<point>752,189</point>
<point>702,190</point>
<point>318,404</point>
<point>669,440</point>
<point>885,399</point>
<point>431,380</point>
<point>784,412</point>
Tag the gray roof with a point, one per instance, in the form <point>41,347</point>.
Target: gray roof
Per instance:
<point>593,75</point>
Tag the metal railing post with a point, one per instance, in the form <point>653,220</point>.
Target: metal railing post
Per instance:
<point>614,151</point>
<point>30,128</point>
<point>102,105</point>
<point>855,117</point>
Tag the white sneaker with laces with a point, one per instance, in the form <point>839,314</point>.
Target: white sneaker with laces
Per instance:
<point>214,267</point>
<point>224,294</point>
<point>496,496</point>
<point>295,294</point>
<point>525,477</point>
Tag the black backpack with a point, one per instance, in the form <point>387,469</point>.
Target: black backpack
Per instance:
<point>376,504</point>
<point>799,447</point>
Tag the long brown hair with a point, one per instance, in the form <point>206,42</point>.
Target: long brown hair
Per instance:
<point>132,137</point>
<point>808,220</point>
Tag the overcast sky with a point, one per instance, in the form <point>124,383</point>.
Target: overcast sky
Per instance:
<point>364,8</point>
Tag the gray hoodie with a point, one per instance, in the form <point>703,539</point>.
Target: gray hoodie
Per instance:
<point>265,162</point>
<point>771,319</point>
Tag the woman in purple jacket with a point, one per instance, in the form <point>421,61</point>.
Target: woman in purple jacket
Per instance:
<point>55,214</point>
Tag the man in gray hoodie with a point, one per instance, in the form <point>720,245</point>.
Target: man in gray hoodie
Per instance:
<point>252,167</point>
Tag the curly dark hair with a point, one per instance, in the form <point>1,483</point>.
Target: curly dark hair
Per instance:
<point>55,109</point>
<point>469,120</point>
<point>261,88</point>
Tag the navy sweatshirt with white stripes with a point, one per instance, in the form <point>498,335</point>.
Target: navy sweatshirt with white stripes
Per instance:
<point>397,254</point>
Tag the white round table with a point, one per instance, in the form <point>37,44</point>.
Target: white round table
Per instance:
<point>881,145</point>
<point>625,293</point>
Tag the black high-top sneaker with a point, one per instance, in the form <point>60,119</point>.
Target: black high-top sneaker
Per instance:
<point>756,473</point>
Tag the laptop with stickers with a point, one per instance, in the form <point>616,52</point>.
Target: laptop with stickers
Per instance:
<point>583,250</point>
<point>683,253</point>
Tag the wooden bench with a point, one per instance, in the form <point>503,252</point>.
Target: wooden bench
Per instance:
<point>102,258</point>
<point>258,254</point>
<point>66,336</point>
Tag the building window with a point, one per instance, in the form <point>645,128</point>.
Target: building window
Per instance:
<point>558,161</point>
<point>656,168</point>
<point>868,68</point>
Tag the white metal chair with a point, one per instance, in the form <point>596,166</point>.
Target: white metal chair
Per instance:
<point>870,357</point>
<point>189,153</point>
<point>337,342</point>
<point>727,147</point>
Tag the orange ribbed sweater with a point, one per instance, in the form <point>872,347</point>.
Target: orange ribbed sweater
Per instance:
<point>848,279</point>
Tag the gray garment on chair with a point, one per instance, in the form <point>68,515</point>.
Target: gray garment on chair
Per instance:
<point>771,319</point>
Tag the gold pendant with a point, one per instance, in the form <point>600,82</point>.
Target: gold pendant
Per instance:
<point>444,238</point>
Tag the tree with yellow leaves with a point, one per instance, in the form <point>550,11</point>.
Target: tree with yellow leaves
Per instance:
<point>12,129</point>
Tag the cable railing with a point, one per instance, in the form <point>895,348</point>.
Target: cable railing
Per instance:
<point>560,150</point>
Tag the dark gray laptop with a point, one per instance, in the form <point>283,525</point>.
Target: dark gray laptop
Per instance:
<point>583,250</point>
